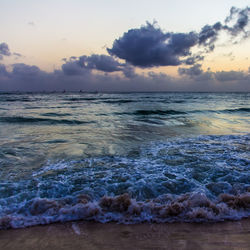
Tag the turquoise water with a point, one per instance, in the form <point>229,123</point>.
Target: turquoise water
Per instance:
<point>128,157</point>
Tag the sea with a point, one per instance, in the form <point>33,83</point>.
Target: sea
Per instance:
<point>124,157</point>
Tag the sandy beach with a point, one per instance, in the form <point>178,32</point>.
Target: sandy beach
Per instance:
<point>91,235</point>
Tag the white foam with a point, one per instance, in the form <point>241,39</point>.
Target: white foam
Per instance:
<point>193,207</point>
<point>156,178</point>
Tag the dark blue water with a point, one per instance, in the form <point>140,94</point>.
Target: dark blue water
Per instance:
<point>128,158</point>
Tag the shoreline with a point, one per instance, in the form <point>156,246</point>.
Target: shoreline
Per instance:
<point>94,235</point>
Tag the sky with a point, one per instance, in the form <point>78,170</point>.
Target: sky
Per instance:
<point>142,45</point>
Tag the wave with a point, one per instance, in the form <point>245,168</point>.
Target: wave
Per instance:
<point>12,99</point>
<point>32,120</point>
<point>78,99</point>
<point>145,112</point>
<point>119,101</point>
<point>247,110</point>
<point>192,207</point>
<point>238,110</point>
<point>104,100</point>
<point>198,179</point>
<point>144,100</point>
<point>158,112</point>
<point>55,114</point>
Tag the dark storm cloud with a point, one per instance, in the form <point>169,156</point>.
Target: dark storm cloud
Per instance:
<point>104,63</point>
<point>149,46</point>
<point>4,50</point>
<point>209,35</point>
<point>75,65</point>
<point>72,68</point>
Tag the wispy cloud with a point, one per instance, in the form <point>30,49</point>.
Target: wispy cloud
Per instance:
<point>31,23</point>
<point>4,50</point>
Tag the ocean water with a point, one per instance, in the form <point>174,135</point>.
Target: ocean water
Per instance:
<point>128,158</point>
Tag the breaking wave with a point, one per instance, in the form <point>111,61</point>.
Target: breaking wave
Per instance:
<point>193,207</point>
<point>198,179</point>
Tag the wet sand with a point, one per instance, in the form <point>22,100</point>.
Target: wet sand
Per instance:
<point>91,235</point>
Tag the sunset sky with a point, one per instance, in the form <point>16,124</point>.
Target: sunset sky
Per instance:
<point>124,45</point>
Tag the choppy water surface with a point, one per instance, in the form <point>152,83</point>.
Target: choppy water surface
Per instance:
<point>124,157</point>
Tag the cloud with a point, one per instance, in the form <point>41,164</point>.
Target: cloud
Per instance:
<point>197,73</point>
<point>22,77</point>
<point>4,50</point>
<point>193,59</point>
<point>208,35</point>
<point>104,63</point>
<point>242,20</point>
<point>129,71</point>
<point>229,55</point>
<point>23,70</point>
<point>17,54</point>
<point>149,46</point>
<point>192,71</point>
<point>31,23</point>
<point>74,67</point>
<point>225,76</point>
<point>235,24</point>
<point>144,47</point>
<point>3,71</point>
<point>78,65</point>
